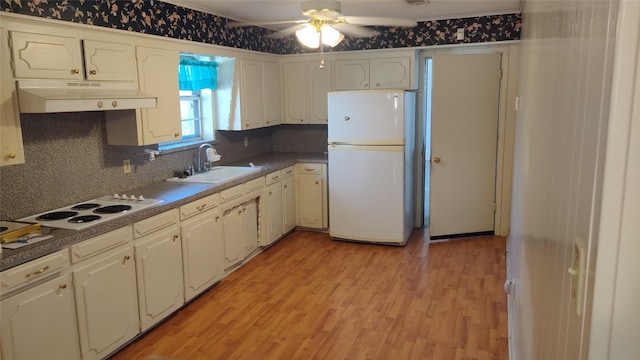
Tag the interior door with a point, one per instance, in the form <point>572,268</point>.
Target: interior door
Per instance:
<point>464,133</point>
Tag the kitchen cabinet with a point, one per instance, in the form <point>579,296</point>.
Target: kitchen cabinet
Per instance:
<point>375,72</point>
<point>288,200</point>
<point>280,204</point>
<point>272,93</point>
<point>157,76</point>
<point>256,99</point>
<point>38,312</point>
<point>42,56</point>
<point>11,146</point>
<point>274,207</point>
<point>233,228</point>
<point>250,225</point>
<point>158,267</point>
<point>305,91</point>
<point>40,323</point>
<point>202,245</point>
<point>106,301</point>
<point>311,196</point>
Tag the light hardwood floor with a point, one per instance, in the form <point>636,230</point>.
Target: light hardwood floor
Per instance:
<point>308,297</point>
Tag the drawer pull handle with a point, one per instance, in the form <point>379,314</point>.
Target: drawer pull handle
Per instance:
<point>75,71</point>
<point>63,286</point>
<point>307,169</point>
<point>201,207</point>
<point>114,103</point>
<point>39,271</point>
<point>100,104</point>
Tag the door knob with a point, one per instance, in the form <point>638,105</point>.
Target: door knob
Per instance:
<point>436,160</point>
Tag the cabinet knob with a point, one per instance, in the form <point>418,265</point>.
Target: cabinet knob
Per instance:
<point>301,120</point>
<point>365,85</point>
<point>176,134</point>
<point>114,103</point>
<point>127,257</point>
<point>75,71</point>
<point>175,237</point>
<point>217,218</point>
<point>346,118</point>
<point>270,193</point>
<point>93,72</point>
<point>100,104</point>
<point>12,155</point>
<point>63,286</point>
<point>317,183</point>
<point>377,84</point>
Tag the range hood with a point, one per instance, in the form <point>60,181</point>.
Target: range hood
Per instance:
<point>51,96</point>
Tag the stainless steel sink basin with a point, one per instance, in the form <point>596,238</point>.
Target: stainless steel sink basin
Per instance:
<point>219,174</point>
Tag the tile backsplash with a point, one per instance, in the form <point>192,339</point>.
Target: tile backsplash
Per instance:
<point>68,160</point>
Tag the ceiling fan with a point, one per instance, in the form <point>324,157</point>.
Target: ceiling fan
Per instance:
<point>326,25</point>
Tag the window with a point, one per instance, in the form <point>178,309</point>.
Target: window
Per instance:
<point>198,77</point>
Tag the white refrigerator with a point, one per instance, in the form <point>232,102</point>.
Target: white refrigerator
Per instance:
<point>371,159</point>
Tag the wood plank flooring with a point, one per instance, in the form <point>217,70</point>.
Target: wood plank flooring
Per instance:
<point>308,297</point>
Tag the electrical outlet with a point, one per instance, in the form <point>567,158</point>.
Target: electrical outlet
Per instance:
<point>460,34</point>
<point>126,166</point>
<point>246,141</point>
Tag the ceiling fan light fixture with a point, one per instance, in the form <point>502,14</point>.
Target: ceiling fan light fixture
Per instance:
<point>330,36</point>
<point>309,36</point>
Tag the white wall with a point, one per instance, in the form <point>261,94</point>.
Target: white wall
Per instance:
<point>561,128</point>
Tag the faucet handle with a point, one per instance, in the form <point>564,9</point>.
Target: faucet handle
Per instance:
<point>207,166</point>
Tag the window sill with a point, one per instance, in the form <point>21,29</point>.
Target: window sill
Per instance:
<point>183,146</point>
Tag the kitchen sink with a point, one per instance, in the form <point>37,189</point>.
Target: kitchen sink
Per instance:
<point>219,174</point>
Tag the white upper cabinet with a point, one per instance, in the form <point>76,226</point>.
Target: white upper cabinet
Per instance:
<point>379,71</point>
<point>272,93</point>
<point>256,100</point>
<point>11,146</point>
<point>108,61</point>
<point>43,56</point>
<point>158,76</point>
<point>294,76</point>
<point>351,74</point>
<point>305,91</point>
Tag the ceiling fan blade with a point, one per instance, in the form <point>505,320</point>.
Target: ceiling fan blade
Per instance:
<point>352,30</point>
<point>280,34</point>
<point>379,21</point>
<point>235,24</point>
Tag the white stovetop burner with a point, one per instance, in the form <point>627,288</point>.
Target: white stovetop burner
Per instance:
<point>92,212</point>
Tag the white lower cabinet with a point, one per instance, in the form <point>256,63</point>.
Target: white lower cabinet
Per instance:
<point>40,323</point>
<point>281,204</point>
<point>274,210</point>
<point>288,204</point>
<point>202,252</point>
<point>233,227</point>
<point>250,226</point>
<point>159,268</point>
<point>311,196</point>
<point>107,302</point>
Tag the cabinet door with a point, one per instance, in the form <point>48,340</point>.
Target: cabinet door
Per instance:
<point>40,323</point>
<point>159,273</point>
<point>309,191</point>
<point>288,204</point>
<point>202,252</point>
<point>158,76</point>
<point>391,73</point>
<point>252,94</point>
<point>351,75</point>
<point>108,61</point>
<point>11,147</point>
<point>250,223</point>
<point>107,303</point>
<point>46,56</point>
<point>233,227</point>
<point>272,91</point>
<point>274,211</point>
<point>295,92</point>
<point>319,86</point>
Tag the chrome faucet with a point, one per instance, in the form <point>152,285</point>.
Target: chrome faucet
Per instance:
<point>207,165</point>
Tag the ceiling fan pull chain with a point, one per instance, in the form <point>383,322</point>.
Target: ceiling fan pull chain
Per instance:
<point>321,66</point>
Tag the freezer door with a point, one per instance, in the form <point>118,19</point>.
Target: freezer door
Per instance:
<point>366,194</point>
<point>366,117</point>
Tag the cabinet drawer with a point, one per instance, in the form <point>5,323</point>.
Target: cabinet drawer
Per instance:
<point>199,206</point>
<point>100,244</point>
<point>232,193</point>
<point>273,177</point>
<point>33,271</point>
<point>155,223</point>
<point>315,169</point>
<point>286,172</point>
<point>254,184</point>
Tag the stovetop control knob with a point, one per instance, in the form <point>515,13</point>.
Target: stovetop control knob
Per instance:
<point>116,196</point>
<point>132,197</point>
<point>141,198</point>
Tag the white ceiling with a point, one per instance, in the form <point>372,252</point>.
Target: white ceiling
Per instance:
<point>266,10</point>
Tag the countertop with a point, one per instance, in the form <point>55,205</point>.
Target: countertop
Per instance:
<point>173,194</point>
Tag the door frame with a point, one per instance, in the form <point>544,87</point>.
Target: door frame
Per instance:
<point>506,126</point>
